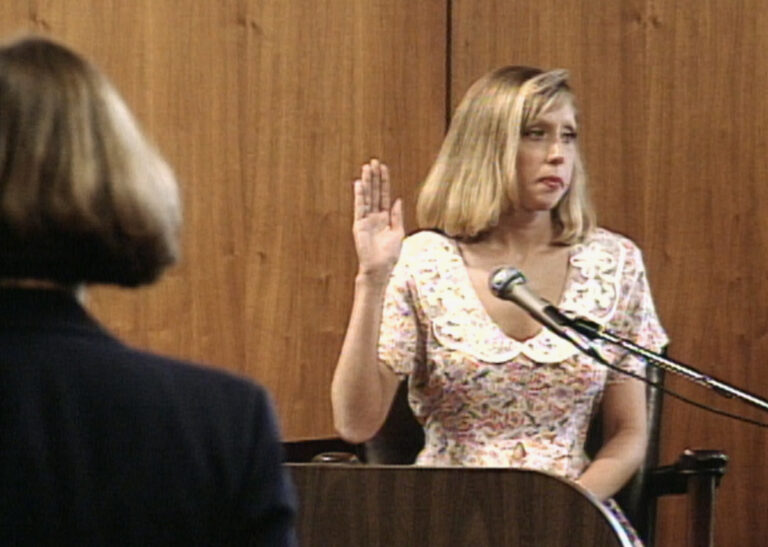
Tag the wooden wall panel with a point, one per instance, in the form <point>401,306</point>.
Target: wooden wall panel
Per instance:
<point>674,124</point>
<point>602,44</point>
<point>347,80</point>
<point>707,82</point>
<point>266,108</point>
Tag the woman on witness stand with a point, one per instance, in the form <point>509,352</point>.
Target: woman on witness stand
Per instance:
<point>490,385</point>
<point>100,443</point>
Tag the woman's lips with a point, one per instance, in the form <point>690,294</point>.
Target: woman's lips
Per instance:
<point>554,183</point>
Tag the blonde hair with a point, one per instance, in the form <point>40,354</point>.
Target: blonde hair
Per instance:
<point>473,180</point>
<point>84,197</point>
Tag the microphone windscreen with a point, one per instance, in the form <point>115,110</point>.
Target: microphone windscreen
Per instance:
<point>504,278</point>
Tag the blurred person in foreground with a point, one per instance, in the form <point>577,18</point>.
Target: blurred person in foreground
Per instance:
<point>100,443</point>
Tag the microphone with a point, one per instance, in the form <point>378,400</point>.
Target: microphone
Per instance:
<point>509,284</point>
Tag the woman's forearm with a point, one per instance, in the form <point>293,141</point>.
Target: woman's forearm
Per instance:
<point>362,389</point>
<point>615,463</point>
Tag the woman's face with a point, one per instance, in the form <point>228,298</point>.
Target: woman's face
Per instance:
<point>545,158</point>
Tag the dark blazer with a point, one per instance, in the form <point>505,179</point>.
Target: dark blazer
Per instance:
<point>101,444</point>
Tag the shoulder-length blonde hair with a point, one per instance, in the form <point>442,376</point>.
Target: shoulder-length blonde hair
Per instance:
<point>84,197</point>
<point>473,181</point>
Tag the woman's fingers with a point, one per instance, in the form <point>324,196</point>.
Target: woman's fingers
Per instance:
<point>384,191</point>
<point>359,206</point>
<point>366,187</point>
<point>372,190</point>
<point>375,185</point>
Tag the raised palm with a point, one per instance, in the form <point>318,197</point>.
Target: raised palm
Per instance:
<point>377,229</point>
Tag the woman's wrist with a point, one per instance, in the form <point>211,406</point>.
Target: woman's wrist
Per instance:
<point>372,279</point>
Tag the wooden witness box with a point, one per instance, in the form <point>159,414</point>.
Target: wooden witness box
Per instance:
<point>393,506</point>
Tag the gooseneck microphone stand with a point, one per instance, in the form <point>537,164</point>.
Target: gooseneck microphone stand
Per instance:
<point>593,331</point>
<point>697,472</point>
<point>509,283</point>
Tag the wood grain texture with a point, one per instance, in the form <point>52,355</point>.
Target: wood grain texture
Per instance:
<point>707,82</point>
<point>383,506</point>
<point>266,109</point>
<point>674,128</point>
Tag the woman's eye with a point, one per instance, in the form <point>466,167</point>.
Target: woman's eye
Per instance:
<point>570,136</point>
<point>534,133</point>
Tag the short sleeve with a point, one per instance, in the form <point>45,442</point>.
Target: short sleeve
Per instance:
<point>399,343</point>
<point>636,319</point>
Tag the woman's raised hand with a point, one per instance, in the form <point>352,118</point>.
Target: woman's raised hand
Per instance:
<point>378,229</point>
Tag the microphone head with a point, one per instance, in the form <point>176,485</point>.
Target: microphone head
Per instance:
<point>503,279</point>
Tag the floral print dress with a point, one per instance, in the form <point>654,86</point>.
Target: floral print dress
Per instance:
<point>485,399</point>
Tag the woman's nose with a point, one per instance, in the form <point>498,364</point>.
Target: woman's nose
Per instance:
<point>555,152</point>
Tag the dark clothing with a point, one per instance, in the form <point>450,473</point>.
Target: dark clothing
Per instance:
<point>101,444</point>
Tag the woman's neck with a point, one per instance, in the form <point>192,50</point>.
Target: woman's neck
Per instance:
<point>517,239</point>
<point>526,232</point>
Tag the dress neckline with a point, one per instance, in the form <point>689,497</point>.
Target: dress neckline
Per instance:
<point>474,298</point>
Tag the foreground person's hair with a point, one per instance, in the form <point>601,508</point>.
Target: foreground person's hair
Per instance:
<point>84,197</point>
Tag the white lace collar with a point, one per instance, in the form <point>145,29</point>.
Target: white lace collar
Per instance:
<point>460,321</point>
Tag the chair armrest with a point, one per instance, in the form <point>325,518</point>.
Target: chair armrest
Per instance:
<point>696,473</point>
<point>692,464</point>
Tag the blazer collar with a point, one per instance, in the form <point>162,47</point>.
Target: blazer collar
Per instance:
<point>24,308</point>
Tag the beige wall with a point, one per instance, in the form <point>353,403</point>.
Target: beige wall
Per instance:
<point>267,107</point>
